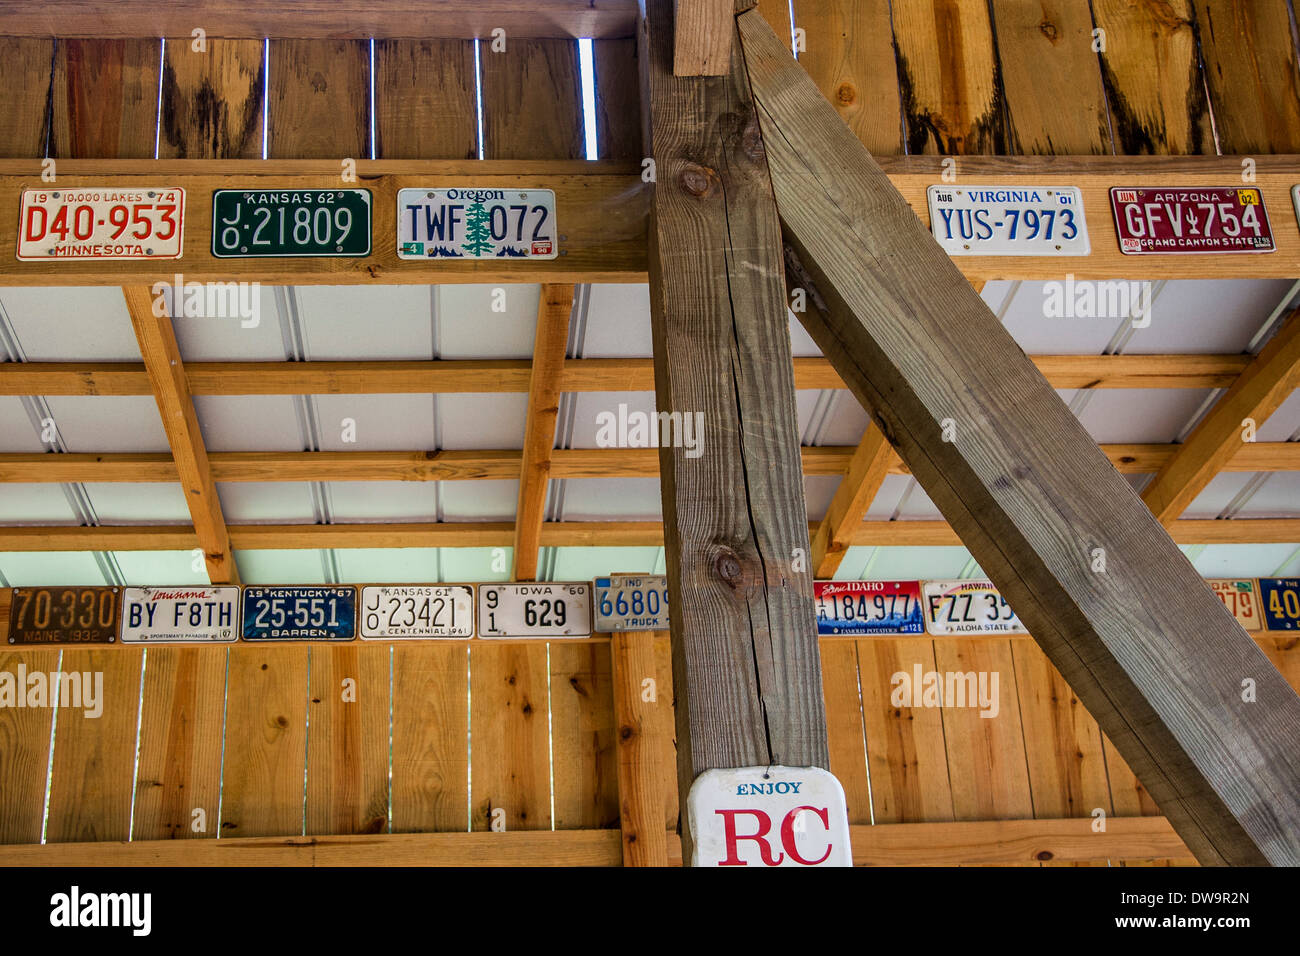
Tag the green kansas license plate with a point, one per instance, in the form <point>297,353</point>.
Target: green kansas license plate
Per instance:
<point>251,223</point>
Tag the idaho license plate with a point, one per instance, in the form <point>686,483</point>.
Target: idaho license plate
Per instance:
<point>631,602</point>
<point>1281,600</point>
<point>1009,220</point>
<point>189,615</point>
<point>300,614</point>
<point>417,611</point>
<point>1187,219</point>
<point>469,223</point>
<point>101,222</point>
<point>63,616</point>
<point>968,607</point>
<point>1239,597</point>
<point>534,610</point>
<point>308,223</point>
<point>868,607</point>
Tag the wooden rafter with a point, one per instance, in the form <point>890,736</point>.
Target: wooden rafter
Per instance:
<point>162,359</point>
<point>866,473</point>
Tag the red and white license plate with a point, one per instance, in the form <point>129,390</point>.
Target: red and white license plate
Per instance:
<point>1186,219</point>
<point>101,222</point>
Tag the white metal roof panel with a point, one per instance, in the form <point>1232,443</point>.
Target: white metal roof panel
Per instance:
<point>371,501</point>
<point>34,504</point>
<point>618,322</point>
<point>249,422</point>
<point>108,423</point>
<point>376,422</point>
<point>72,324</point>
<point>1208,316</point>
<point>586,564</point>
<point>616,499</point>
<point>468,328</point>
<point>489,500</point>
<point>902,564</point>
<point>54,568</point>
<point>17,433</point>
<point>1140,415</point>
<point>1248,560</point>
<point>389,565</point>
<point>160,568</point>
<point>131,502</point>
<point>482,421</point>
<point>233,338</point>
<point>366,323</point>
<point>281,567</point>
<point>266,502</point>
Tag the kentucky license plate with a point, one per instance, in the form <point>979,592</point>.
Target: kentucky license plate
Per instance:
<point>1187,219</point>
<point>1009,220</point>
<point>468,223</point>
<point>254,223</point>
<point>631,602</point>
<point>1281,600</point>
<point>417,611</point>
<point>868,607</point>
<point>101,222</point>
<point>300,614</point>
<point>534,610</point>
<point>1239,597</point>
<point>968,607</point>
<point>63,616</point>
<point>189,615</point>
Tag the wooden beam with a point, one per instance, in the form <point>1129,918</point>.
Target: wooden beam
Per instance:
<point>551,339</point>
<point>640,786</point>
<point>1151,652</point>
<point>1223,432</point>
<point>746,671</point>
<point>702,32</point>
<point>162,358</point>
<point>852,498</point>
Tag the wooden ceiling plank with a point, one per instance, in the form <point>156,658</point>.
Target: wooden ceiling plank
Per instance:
<point>866,473</point>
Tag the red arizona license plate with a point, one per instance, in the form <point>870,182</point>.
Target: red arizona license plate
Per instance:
<point>1185,219</point>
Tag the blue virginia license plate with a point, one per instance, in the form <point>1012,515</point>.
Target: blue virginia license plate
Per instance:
<point>1009,220</point>
<point>300,614</point>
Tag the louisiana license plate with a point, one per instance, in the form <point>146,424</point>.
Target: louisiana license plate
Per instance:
<point>1191,219</point>
<point>1281,600</point>
<point>534,610</point>
<point>868,607</point>
<point>416,611</point>
<point>300,614</point>
<point>101,222</point>
<point>469,223</point>
<point>631,602</point>
<point>1009,220</point>
<point>968,607</point>
<point>255,223</point>
<point>187,615</point>
<point>1239,597</point>
<point>63,616</point>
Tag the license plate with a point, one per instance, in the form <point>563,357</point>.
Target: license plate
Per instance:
<point>64,616</point>
<point>101,222</point>
<point>868,607</point>
<point>1281,600</point>
<point>534,610</point>
<point>1239,598</point>
<point>256,223</point>
<point>468,223</point>
<point>968,607</point>
<point>418,611</point>
<point>188,615</point>
<point>300,614</point>
<point>1189,219</point>
<point>631,602</point>
<point>1009,220</point>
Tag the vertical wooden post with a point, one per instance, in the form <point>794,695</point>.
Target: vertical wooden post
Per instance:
<point>640,813</point>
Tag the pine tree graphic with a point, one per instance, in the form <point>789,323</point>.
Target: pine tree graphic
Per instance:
<point>477,238</point>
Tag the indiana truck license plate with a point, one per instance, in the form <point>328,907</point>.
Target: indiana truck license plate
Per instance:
<point>190,615</point>
<point>417,611</point>
<point>470,223</point>
<point>101,222</point>
<point>1190,219</point>
<point>534,610</point>
<point>1009,220</point>
<point>631,602</point>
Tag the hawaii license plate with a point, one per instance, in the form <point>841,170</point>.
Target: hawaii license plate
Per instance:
<point>1187,219</point>
<point>300,614</point>
<point>255,223</point>
<point>968,607</point>
<point>1009,220</point>
<point>1281,600</point>
<point>101,222</point>
<point>417,611</point>
<point>189,615</point>
<point>868,607</point>
<point>63,616</point>
<point>1239,598</point>
<point>534,610</point>
<point>631,602</point>
<point>469,223</point>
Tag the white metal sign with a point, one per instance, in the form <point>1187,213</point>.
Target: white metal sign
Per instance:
<point>417,611</point>
<point>1009,220</point>
<point>472,223</point>
<point>101,222</point>
<point>968,607</point>
<point>534,610</point>
<point>768,816</point>
<point>631,602</point>
<point>185,614</point>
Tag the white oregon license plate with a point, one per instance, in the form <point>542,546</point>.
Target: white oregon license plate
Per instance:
<point>470,223</point>
<point>968,607</point>
<point>534,610</point>
<point>1009,220</point>
<point>101,222</point>
<point>417,611</point>
<point>631,602</point>
<point>195,614</point>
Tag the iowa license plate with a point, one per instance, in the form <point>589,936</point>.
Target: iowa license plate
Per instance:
<point>101,222</point>
<point>1191,219</point>
<point>300,614</point>
<point>255,223</point>
<point>469,223</point>
<point>968,607</point>
<point>1240,598</point>
<point>534,610</point>
<point>416,611</point>
<point>631,602</point>
<point>64,616</point>
<point>1281,600</point>
<point>868,607</point>
<point>188,615</point>
<point>1009,220</point>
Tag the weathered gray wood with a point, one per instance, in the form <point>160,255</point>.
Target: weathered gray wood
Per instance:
<point>745,661</point>
<point>1150,651</point>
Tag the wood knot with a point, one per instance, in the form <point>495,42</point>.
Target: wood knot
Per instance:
<point>699,181</point>
<point>726,565</point>
<point>1048,29</point>
<point>626,732</point>
<point>1044,854</point>
<point>846,94</point>
<point>282,721</point>
<point>751,141</point>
